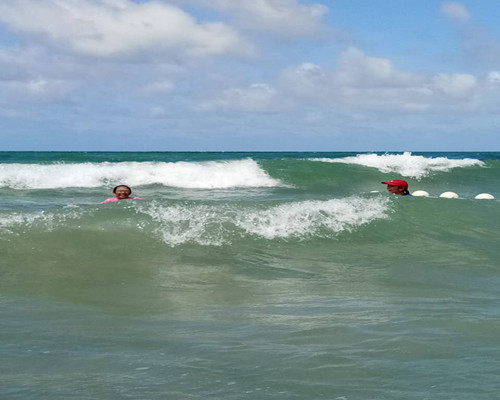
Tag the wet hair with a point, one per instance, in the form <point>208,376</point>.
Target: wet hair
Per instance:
<point>116,187</point>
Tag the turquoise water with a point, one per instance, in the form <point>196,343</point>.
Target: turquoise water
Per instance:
<point>249,276</point>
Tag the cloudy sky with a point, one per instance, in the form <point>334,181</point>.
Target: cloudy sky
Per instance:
<point>201,75</point>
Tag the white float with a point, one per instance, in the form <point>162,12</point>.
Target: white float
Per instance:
<point>484,196</point>
<point>449,195</point>
<point>420,193</point>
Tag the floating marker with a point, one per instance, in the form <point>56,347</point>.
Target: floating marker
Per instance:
<point>484,196</point>
<point>449,195</point>
<point>420,193</point>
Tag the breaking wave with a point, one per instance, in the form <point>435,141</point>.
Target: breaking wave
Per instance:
<point>215,225</point>
<point>206,224</point>
<point>405,164</point>
<point>202,175</point>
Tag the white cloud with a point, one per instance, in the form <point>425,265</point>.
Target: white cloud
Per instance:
<point>257,97</point>
<point>158,112</point>
<point>357,80</point>
<point>35,89</point>
<point>455,85</point>
<point>357,69</point>
<point>357,83</point>
<point>480,46</point>
<point>285,17</point>
<point>32,74</point>
<point>109,28</point>
<point>362,82</point>
<point>159,87</point>
<point>494,77</point>
<point>307,80</point>
<point>455,11</point>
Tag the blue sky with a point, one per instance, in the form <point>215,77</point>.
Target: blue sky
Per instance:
<point>251,75</point>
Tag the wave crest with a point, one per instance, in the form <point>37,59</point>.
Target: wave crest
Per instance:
<point>405,164</point>
<point>216,225</point>
<point>196,175</point>
<point>207,224</point>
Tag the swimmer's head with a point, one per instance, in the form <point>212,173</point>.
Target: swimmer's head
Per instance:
<point>397,186</point>
<point>122,191</point>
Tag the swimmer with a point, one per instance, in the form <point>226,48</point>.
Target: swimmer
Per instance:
<point>397,186</point>
<point>121,192</point>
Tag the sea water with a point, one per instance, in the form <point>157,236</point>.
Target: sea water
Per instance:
<point>249,276</point>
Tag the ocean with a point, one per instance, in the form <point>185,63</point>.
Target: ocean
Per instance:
<point>249,276</point>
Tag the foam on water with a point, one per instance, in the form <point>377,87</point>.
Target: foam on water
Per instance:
<point>309,217</point>
<point>405,164</point>
<point>217,225</point>
<point>208,224</point>
<point>8,221</point>
<point>202,175</point>
<point>47,220</point>
<point>180,224</point>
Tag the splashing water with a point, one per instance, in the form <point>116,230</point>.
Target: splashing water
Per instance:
<point>216,225</point>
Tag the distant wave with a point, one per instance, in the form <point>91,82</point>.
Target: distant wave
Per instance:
<point>405,164</point>
<point>202,175</point>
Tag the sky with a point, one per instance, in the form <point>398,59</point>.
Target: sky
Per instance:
<point>249,75</point>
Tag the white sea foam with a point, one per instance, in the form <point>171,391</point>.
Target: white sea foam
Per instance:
<point>217,225</point>
<point>310,217</point>
<point>180,224</point>
<point>48,220</point>
<point>8,221</point>
<point>203,175</point>
<point>405,164</point>
<point>214,224</point>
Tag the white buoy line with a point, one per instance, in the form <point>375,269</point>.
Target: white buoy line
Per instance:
<point>452,195</point>
<point>486,196</point>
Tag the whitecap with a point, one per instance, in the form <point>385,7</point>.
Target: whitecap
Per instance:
<point>221,224</point>
<point>405,164</point>
<point>198,175</point>
<point>307,218</point>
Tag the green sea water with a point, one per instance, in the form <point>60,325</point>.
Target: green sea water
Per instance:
<point>249,276</point>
